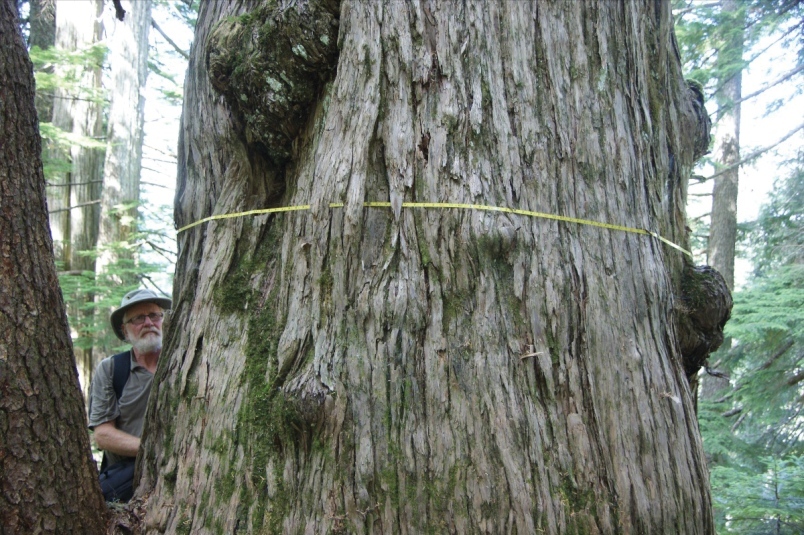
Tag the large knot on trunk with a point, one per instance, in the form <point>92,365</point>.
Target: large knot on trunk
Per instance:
<point>270,65</point>
<point>701,130</point>
<point>701,312</point>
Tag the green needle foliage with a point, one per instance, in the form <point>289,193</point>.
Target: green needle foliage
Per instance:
<point>765,498</point>
<point>753,433</point>
<point>703,30</point>
<point>107,288</point>
<point>145,259</point>
<point>58,68</point>
<point>752,430</point>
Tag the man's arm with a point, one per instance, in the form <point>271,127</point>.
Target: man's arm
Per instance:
<point>110,438</point>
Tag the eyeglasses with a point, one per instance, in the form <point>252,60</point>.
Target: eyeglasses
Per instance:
<point>155,317</point>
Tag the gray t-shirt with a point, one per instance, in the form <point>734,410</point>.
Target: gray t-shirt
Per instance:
<point>129,413</point>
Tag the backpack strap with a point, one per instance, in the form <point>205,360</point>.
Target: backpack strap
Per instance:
<point>121,369</point>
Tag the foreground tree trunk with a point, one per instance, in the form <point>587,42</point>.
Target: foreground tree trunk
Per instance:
<point>405,370</point>
<point>48,481</point>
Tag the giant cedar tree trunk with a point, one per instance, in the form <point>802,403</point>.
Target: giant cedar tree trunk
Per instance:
<point>48,482</point>
<point>408,370</point>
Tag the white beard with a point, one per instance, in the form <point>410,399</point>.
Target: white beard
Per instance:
<point>148,344</point>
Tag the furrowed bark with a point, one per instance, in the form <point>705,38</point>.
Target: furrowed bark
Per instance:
<point>406,370</point>
<point>48,480</point>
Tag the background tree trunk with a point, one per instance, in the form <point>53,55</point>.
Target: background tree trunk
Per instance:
<point>49,482</point>
<point>723,227</point>
<point>43,34</point>
<point>121,188</point>
<point>408,370</point>
<point>75,232</point>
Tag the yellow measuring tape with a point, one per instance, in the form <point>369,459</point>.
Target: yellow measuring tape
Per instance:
<point>528,213</point>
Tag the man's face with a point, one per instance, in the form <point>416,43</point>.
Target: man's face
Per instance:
<point>146,337</point>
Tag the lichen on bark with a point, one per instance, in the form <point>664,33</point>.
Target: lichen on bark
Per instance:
<point>270,65</point>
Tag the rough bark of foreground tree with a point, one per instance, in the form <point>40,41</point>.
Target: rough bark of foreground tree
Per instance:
<point>410,370</point>
<point>48,481</point>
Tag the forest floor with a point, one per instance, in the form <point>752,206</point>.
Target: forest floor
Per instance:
<point>127,518</point>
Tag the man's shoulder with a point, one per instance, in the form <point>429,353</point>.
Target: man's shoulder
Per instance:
<point>106,366</point>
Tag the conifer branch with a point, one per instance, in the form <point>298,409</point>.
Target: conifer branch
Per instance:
<point>782,350</point>
<point>730,105</point>
<point>52,185</point>
<point>74,99</point>
<point>144,277</point>
<point>171,162</point>
<point>169,40</point>
<point>692,7</point>
<point>79,205</point>
<point>161,234</point>
<point>154,184</point>
<point>797,378</point>
<point>726,397</point>
<point>776,82</point>
<point>167,254</point>
<point>715,373</point>
<point>161,151</point>
<point>748,62</point>
<point>757,153</point>
<point>738,422</point>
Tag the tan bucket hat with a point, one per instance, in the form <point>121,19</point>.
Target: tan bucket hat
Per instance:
<point>132,298</point>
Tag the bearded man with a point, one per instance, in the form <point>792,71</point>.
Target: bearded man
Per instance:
<point>120,389</point>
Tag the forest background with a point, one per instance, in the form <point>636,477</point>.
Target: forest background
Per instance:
<point>109,99</point>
